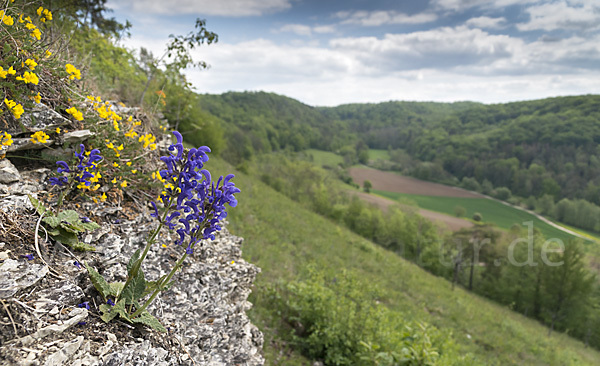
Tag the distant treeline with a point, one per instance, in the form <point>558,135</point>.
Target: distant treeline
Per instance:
<point>528,150</point>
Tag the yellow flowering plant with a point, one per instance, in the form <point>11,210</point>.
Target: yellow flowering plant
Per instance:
<point>28,75</point>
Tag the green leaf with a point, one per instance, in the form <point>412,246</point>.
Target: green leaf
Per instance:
<point>53,221</point>
<point>116,288</point>
<point>135,257</point>
<point>69,216</point>
<point>66,237</point>
<point>150,320</point>
<point>83,247</point>
<point>135,289</point>
<point>98,281</point>
<point>53,232</point>
<point>39,207</point>
<point>89,226</point>
<point>110,312</point>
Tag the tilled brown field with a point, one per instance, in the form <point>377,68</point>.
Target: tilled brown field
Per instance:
<point>388,181</point>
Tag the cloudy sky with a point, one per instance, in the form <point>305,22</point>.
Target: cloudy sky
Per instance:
<point>331,52</point>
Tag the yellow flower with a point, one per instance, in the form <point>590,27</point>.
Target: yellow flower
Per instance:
<point>114,181</point>
<point>130,118</point>
<point>11,71</point>
<point>47,15</point>
<point>103,198</point>
<point>3,73</point>
<point>129,163</point>
<point>36,33</point>
<point>131,133</point>
<point>40,10</point>
<point>57,129</point>
<point>102,112</point>
<point>31,64</point>
<point>120,147</point>
<point>147,139</point>
<point>134,171</point>
<point>116,126</point>
<point>95,177</point>
<point>110,145</point>
<point>16,109</point>
<point>75,113</point>
<point>164,245</point>
<point>115,164</point>
<point>39,136</point>
<point>73,72</point>
<point>29,77</point>
<point>37,98</point>
<point>6,19</point>
<point>124,184</point>
<point>48,53</point>
<point>6,139</point>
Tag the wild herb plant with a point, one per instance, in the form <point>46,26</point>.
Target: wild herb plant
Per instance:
<point>192,206</point>
<point>65,225</point>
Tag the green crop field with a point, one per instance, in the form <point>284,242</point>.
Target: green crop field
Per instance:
<point>282,238</point>
<point>322,158</point>
<point>375,154</point>
<point>492,211</point>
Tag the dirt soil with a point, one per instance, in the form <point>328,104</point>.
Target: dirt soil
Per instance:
<point>388,181</point>
<point>449,222</point>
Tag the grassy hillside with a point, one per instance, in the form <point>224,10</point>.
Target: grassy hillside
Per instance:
<point>283,238</point>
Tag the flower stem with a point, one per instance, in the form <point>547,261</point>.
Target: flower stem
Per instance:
<point>151,240</point>
<point>159,286</point>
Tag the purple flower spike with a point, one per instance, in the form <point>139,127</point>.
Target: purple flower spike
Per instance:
<point>200,201</point>
<point>155,213</point>
<point>28,256</point>
<point>84,304</point>
<point>77,264</point>
<point>110,302</point>
<point>63,167</point>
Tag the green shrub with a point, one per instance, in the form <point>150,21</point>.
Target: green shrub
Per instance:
<point>342,321</point>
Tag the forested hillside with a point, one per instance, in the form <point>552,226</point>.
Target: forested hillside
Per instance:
<point>542,152</point>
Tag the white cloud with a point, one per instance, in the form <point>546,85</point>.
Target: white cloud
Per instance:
<point>442,65</point>
<point>305,30</point>
<point>486,22</point>
<point>380,17</point>
<point>573,15</point>
<point>324,29</point>
<point>232,8</point>
<point>299,29</point>
<point>440,48</point>
<point>461,5</point>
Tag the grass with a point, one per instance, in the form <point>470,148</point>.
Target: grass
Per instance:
<point>322,158</point>
<point>375,154</point>
<point>282,238</point>
<point>492,211</point>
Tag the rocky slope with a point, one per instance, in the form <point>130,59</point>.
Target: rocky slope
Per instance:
<point>43,287</point>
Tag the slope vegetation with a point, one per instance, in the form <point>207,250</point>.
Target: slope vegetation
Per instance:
<point>283,238</point>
